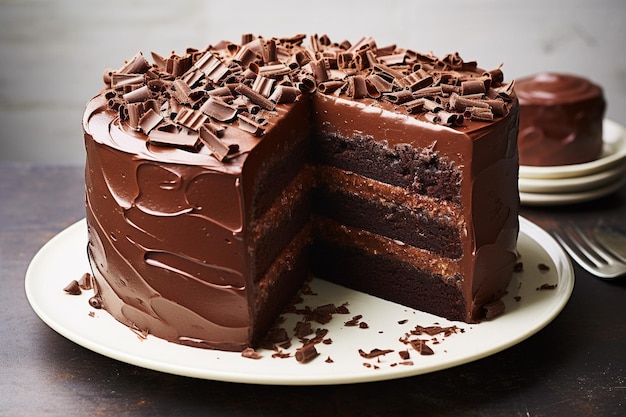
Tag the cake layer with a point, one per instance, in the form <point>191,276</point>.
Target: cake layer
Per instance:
<point>388,211</point>
<point>418,170</point>
<point>387,269</point>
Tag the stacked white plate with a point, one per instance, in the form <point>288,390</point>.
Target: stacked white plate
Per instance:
<point>567,184</point>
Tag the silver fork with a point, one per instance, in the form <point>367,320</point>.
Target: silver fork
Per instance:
<point>592,253</point>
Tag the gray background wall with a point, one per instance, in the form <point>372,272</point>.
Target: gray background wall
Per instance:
<point>53,52</point>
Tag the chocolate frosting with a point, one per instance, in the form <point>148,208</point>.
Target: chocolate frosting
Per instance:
<point>174,150</point>
<point>560,119</point>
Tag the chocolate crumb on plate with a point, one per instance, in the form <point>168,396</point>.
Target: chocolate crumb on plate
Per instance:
<point>251,353</point>
<point>85,281</point>
<point>374,353</point>
<point>546,287</point>
<point>306,353</point>
<point>73,288</point>
<point>543,267</point>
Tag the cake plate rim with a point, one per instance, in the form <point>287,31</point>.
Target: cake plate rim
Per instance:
<point>64,258</point>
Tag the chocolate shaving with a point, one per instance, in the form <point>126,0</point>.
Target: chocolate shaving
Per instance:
<point>86,281</point>
<point>319,71</point>
<point>473,87</point>
<point>374,353</point>
<point>120,80</point>
<point>263,86</point>
<point>306,353</point>
<point>546,287</point>
<point>255,97</point>
<point>181,91</point>
<point>191,119</point>
<point>399,97</point>
<point>219,110</point>
<point>138,64</point>
<point>211,67</point>
<point>179,137</point>
<point>140,94</point>
<point>250,353</point>
<point>218,148</point>
<point>303,329</point>
<point>421,347</point>
<point>149,121</point>
<point>73,288</point>
<point>284,94</point>
<point>248,124</point>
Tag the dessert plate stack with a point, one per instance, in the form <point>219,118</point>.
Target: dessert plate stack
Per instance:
<point>568,184</point>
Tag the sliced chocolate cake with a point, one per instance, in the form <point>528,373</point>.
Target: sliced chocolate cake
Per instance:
<point>218,179</point>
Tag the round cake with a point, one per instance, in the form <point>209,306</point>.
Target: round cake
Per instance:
<point>219,179</point>
<point>560,119</point>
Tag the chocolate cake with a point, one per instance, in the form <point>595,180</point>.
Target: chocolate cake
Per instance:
<point>217,180</point>
<point>560,119</point>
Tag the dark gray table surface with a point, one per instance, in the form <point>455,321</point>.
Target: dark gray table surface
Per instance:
<point>573,367</point>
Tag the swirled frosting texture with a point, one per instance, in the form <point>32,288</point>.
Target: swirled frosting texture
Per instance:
<point>560,119</point>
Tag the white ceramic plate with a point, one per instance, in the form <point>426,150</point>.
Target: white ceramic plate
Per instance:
<point>63,258</point>
<point>553,199</point>
<point>574,184</point>
<point>614,152</point>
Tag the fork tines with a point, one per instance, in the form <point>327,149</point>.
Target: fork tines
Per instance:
<point>589,253</point>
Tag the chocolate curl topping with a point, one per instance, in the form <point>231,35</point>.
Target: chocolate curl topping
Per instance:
<point>218,148</point>
<point>263,85</point>
<point>191,119</point>
<point>246,56</point>
<point>357,87</point>
<point>364,42</point>
<point>181,91</point>
<point>319,71</point>
<point>381,84</point>
<point>415,106</point>
<point>329,86</point>
<point>399,97</point>
<point>180,137</point>
<point>308,84</point>
<point>498,107</point>
<point>473,87</point>
<point>174,98</point>
<point>250,125</point>
<point>428,92</point>
<point>460,103</point>
<point>212,67</point>
<point>117,79</point>
<point>219,110</point>
<point>479,113</point>
<point>284,94</point>
<point>496,75</point>
<point>137,65</point>
<point>149,121</point>
<point>255,97</point>
<point>137,95</point>
<point>274,71</point>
